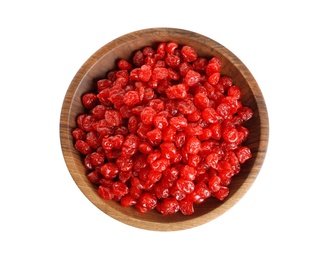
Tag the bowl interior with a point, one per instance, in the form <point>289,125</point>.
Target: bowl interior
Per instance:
<point>104,60</point>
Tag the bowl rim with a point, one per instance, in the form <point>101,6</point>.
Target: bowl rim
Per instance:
<point>66,137</point>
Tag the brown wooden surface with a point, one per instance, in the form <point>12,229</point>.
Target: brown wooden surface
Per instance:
<point>123,47</point>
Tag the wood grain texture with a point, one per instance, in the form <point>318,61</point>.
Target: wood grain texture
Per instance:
<point>104,60</point>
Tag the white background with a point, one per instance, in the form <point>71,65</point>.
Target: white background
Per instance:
<point>43,213</point>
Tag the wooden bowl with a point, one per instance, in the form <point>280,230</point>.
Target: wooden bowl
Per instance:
<point>104,60</point>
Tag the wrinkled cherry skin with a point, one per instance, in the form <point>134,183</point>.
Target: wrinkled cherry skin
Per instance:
<point>163,131</point>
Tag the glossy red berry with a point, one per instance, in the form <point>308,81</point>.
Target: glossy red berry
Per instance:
<point>192,78</point>
<point>222,193</point>
<point>214,183</point>
<point>171,47</point>
<point>184,185</point>
<point>179,123</point>
<point>147,115</point>
<point>109,170</point>
<point>124,65</point>
<point>154,137</point>
<point>168,206</point>
<point>212,160</point>
<point>243,153</point>
<point>189,54</point>
<point>94,177</point>
<point>176,92</point>
<point>128,200</point>
<point>130,145</point>
<point>119,189</point>
<point>90,100</point>
<point>148,200</point>
<point>131,98</point>
<point>78,134</point>
<point>105,192</point>
<point>188,173</point>
<point>82,147</point>
<point>193,145</point>
<point>186,207</point>
<point>113,117</point>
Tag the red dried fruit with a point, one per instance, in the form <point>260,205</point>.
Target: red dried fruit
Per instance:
<point>119,189</point>
<point>145,73</point>
<point>113,117</point>
<point>245,113</point>
<point>230,135</point>
<point>138,58</point>
<point>222,193</point>
<point>213,66</point>
<point>179,122</point>
<point>169,134</point>
<point>128,200</point>
<point>93,139</point>
<point>193,145</point>
<point>184,67</point>
<point>145,148</point>
<point>163,131</point>
<point>160,165</point>
<point>112,142</point>
<point>168,150</point>
<point>148,200</point>
<point>160,52</point>
<point>98,112</point>
<point>186,207</point>
<point>160,122</point>
<point>124,163</point>
<point>210,115</point>
<point>153,156</point>
<point>168,206</point>
<point>124,65</point>
<point>212,160</point>
<point>172,60</point>
<point>186,107</point>
<point>192,78</point>
<point>201,101</point>
<point>82,147</point>
<point>188,173</point>
<point>103,84</point>
<point>154,137</point>
<point>89,100</point>
<point>214,183</point>
<point>94,177</point>
<point>124,176</point>
<point>170,47</point>
<point>200,64</point>
<point>105,192</point>
<point>193,129</point>
<point>130,145</point>
<point>176,193</point>
<point>184,185</point>
<point>97,159</point>
<point>154,176</point>
<point>193,160</point>
<point>243,153</point>
<point>131,98</point>
<point>109,170</point>
<point>159,73</point>
<point>176,92</point>
<point>158,105</point>
<point>78,134</point>
<point>147,115</point>
<point>189,54</point>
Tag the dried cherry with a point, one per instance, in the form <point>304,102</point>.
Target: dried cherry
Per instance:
<point>163,131</point>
